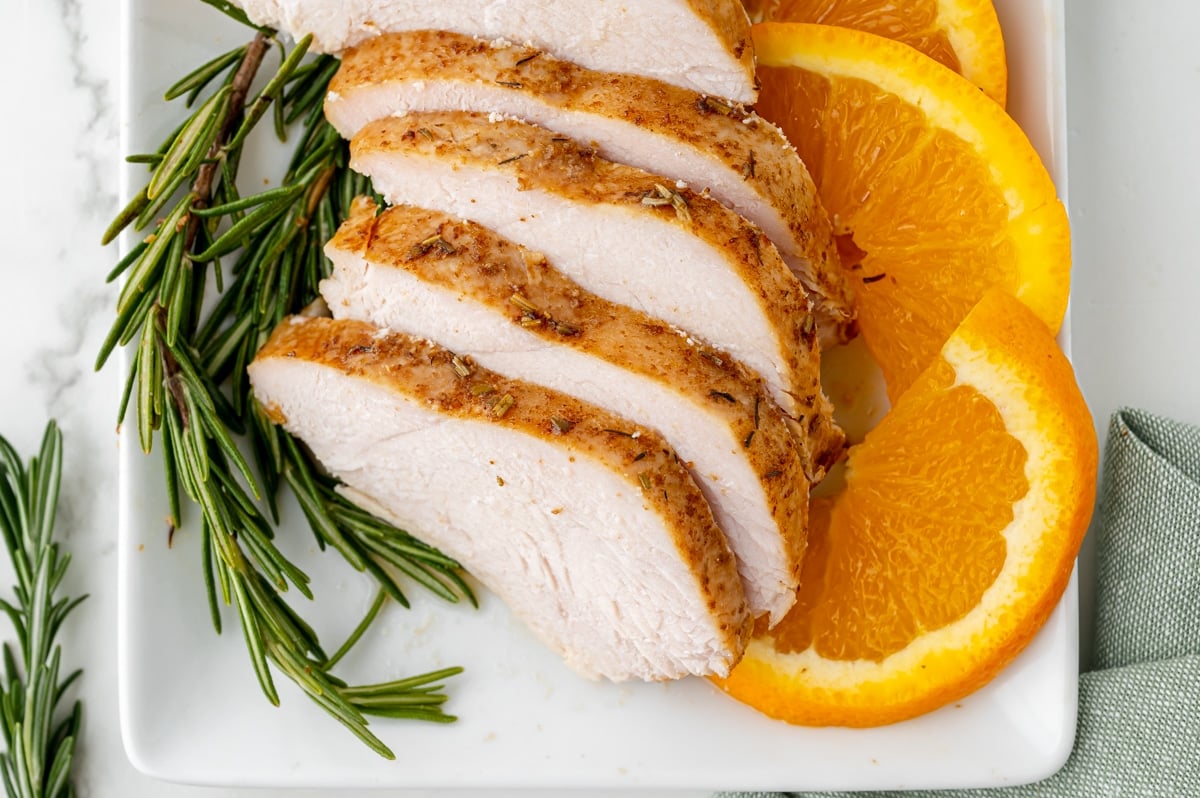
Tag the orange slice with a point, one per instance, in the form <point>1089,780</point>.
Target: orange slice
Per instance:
<point>963,35</point>
<point>935,194</point>
<point>951,543</point>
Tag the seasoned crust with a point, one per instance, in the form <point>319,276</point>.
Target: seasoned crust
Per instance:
<point>743,142</point>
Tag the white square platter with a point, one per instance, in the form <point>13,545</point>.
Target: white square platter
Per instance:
<point>191,710</point>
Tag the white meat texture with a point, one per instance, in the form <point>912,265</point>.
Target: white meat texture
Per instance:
<point>703,45</point>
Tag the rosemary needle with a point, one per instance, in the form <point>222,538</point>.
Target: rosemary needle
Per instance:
<point>192,332</point>
<point>356,635</point>
<point>40,748</point>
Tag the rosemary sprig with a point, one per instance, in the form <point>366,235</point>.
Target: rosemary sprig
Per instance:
<point>187,380</point>
<point>39,748</point>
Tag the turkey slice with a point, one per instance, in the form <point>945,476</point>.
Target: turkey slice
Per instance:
<point>743,160</point>
<point>703,45</point>
<point>597,539</point>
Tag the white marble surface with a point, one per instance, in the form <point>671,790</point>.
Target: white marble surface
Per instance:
<point>1134,80</point>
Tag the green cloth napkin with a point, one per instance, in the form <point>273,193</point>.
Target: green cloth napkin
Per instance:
<point>1139,706</point>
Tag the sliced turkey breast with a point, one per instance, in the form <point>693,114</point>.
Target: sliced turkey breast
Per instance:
<point>629,236</point>
<point>742,160</point>
<point>425,273</point>
<point>597,538</point>
<point>703,45</point>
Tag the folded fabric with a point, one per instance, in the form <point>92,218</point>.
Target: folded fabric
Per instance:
<point>1139,705</point>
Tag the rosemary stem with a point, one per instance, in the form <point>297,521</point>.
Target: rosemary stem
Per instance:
<point>202,188</point>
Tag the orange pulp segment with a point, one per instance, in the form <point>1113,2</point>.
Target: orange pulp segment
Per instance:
<point>951,543</point>
<point>935,193</point>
